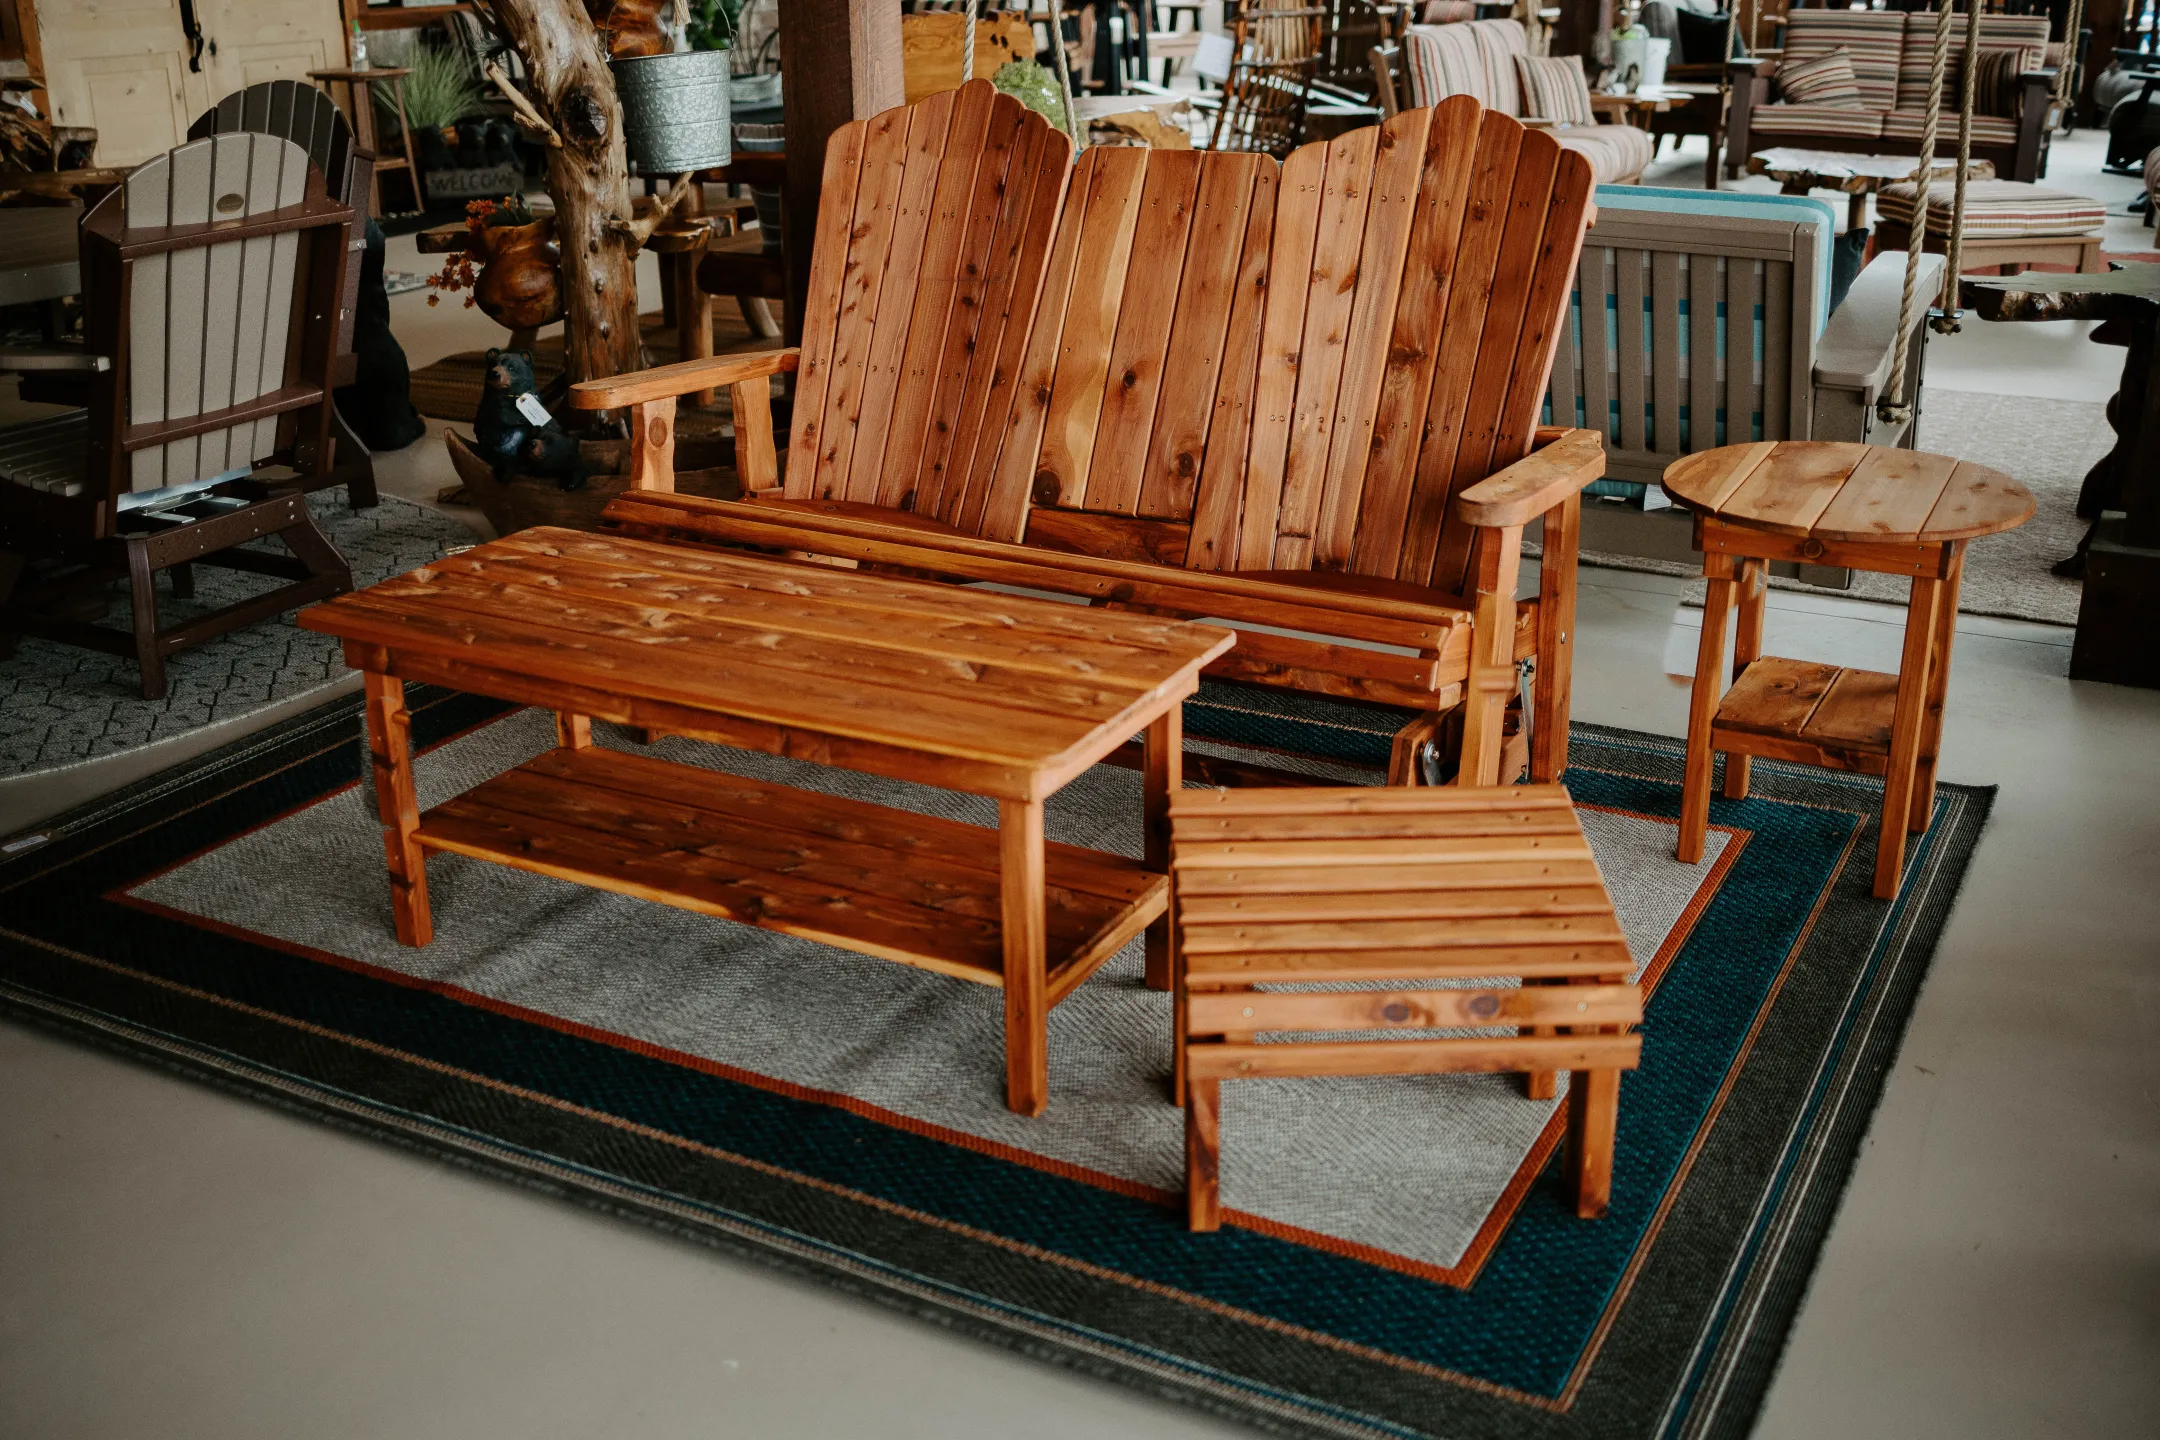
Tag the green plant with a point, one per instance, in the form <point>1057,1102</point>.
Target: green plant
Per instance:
<point>1033,86</point>
<point>441,90</point>
<point>712,23</point>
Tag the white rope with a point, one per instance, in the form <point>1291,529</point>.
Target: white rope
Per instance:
<point>2066,73</point>
<point>1954,247</point>
<point>1064,73</point>
<point>967,44</point>
<point>1893,408</point>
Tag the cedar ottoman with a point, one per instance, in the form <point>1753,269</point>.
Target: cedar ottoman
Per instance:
<point>1397,890</point>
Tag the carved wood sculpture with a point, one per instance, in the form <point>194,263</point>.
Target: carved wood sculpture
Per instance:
<point>1325,377</point>
<point>573,96</point>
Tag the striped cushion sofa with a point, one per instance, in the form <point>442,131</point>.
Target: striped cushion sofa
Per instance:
<point>1477,58</point>
<point>1891,54</point>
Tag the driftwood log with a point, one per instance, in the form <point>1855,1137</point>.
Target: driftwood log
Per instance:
<point>589,178</point>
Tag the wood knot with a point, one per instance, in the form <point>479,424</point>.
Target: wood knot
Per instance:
<point>1485,1006</point>
<point>1395,1011</point>
<point>1132,378</point>
<point>1185,465</point>
<point>583,116</point>
<point>656,431</point>
<point>1047,488</point>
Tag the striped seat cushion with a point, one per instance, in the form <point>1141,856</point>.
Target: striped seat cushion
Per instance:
<point>1615,152</point>
<point>1996,209</point>
<point>1448,12</point>
<point>1872,40</point>
<point>1997,32</point>
<point>1986,129</point>
<point>1815,120</point>
<point>1824,81</point>
<point>1553,88</point>
<point>1475,59</point>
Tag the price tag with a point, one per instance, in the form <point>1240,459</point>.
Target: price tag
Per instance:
<point>529,406</point>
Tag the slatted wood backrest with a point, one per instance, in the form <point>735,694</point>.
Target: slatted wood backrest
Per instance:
<point>1277,56</point>
<point>934,226</point>
<point>210,326</point>
<point>1419,271</point>
<point>1689,333</point>
<point>303,114</point>
<point>1140,367</point>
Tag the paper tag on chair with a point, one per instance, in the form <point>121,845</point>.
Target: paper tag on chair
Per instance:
<point>529,406</point>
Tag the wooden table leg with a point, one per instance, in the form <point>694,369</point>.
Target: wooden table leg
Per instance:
<point>1162,778</point>
<point>1203,1149</point>
<point>1593,1121</point>
<point>573,732</point>
<point>389,728</point>
<point>1753,582</point>
<point>1905,727</point>
<point>1027,986</point>
<point>1938,691</point>
<point>1702,708</point>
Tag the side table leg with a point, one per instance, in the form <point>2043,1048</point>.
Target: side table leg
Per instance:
<point>1938,691</point>
<point>1905,727</point>
<point>1027,986</point>
<point>1702,708</point>
<point>1754,580</point>
<point>1163,777</point>
<point>389,727</point>
<point>573,732</point>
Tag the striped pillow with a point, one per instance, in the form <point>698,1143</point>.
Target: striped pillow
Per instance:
<point>1553,88</point>
<point>1995,81</point>
<point>1827,81</point>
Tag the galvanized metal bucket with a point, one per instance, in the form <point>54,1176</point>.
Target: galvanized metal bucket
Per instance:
<point>675,110</point>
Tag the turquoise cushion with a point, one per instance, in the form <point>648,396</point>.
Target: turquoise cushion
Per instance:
<point>1789,208</point>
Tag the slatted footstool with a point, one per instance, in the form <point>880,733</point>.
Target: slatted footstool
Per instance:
<point>1283,898</point>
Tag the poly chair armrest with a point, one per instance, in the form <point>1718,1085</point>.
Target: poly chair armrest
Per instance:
<point>59,358</point>
<point>1537,482</point>
<point>665,382</point>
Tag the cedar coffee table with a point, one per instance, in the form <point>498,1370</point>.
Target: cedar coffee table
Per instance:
<point>965,689</point>
<point>1896,512</point>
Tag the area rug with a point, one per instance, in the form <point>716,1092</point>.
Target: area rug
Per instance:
<point>1399,1261</point>
<point>2045,445</point>
<point>62,705</point>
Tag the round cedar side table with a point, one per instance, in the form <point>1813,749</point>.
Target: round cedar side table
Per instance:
<point>1896,512</point>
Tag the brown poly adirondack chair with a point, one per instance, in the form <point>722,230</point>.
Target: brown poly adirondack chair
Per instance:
<point>309,118</point>
<point>1355,445</point>
<point>211,283</point>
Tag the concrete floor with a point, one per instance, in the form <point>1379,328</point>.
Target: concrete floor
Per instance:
<point>173,1261</point>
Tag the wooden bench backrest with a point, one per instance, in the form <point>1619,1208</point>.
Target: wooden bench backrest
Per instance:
<point>1688,333</point>
<point>934,225</point>
<point>209,326</point>
<point>1145,343</point>
<point>1436,253</point>
<point>1240,368</point>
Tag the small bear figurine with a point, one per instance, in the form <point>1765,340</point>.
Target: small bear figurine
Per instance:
<point>471,145</point>
<point>510,439</point>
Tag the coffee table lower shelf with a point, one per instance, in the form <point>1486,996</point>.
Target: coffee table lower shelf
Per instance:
<point>911,888</point>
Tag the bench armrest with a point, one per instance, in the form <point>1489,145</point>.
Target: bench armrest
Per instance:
<point>1537,482</point>
<point>1860,341</point>
<point>665,382</point>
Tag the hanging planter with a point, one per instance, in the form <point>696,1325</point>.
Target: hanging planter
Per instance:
<point>675,106</point>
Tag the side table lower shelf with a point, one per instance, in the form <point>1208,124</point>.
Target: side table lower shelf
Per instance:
<point>911,888</point>
<point>1813,714</point>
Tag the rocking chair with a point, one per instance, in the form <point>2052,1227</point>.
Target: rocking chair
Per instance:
<point>212,282</point>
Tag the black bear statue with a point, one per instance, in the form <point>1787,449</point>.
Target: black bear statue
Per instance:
<point>513,430</point>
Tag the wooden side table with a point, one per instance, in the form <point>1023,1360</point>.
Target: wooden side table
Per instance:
<point>1896,512</point>
<point>360,95</point>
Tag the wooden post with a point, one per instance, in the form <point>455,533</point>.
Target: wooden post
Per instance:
<point>840,61</point>
<point>1747,649</point>
<point>1702,708</point>
<point>1027,993</point>
<point>1163,777</point>
<point>389,730</point>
